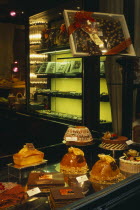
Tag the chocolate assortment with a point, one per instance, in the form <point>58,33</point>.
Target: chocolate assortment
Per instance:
<point>104,35</point>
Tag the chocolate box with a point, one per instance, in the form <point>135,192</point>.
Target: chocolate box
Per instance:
<point>92,33</point>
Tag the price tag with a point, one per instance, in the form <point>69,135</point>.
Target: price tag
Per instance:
<point>129,142</point>
<point>82,178</point>
<point>33,191</point>
<point>73,138</point>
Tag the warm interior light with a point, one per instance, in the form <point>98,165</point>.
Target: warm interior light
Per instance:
<point>15,69</point>
<point>13,13</point>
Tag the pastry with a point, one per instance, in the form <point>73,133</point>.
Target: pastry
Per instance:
<point>74,162</point>
<point>28,155</point>
<point>105,172</point>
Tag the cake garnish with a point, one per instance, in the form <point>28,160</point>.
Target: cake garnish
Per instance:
<point>110,160</point>
<point>113,165</point>
<point>132,155</point>
<point>80,158</point>
<point>109,135</point>
<point>76,151</point>
<point>106,158</point>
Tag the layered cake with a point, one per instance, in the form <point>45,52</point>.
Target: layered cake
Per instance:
<point>105,172</point>
<point>11,194</point>
<point>45,181</point>
<point>130,162</point>
<point>78,135</point>
<point>28,155</point>
<point>114,142</point>
<point>62,196</point>
<point>74,162</point>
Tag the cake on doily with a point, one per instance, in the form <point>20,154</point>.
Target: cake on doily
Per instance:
<point>74,162</point>
<point>105,172</point>
<point>130,162</point>
<point>114,142</point>
<point>78,135</point>
<point>28,155</point>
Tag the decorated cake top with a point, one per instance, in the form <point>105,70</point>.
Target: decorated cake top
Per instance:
<point>76,151</point>
<point>104,169</point>
<point>27,150</point>
<point>114,137</point>
<point>74,158</point>
<point>110,136</point>
<point>106,158</point>
<point>132,155</point>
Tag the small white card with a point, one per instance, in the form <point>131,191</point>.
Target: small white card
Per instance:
<point>73,138</point>
<point>33,191</point>
<point>129,142</point>
<point>82,178</point>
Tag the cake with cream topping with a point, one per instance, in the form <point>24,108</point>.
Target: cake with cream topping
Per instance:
<point>130,162</point>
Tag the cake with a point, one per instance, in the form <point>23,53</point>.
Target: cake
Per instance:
<point>28,155</point>
<point>105,172</point>
<point>45,180</point>
<point>62,196</point>
<point>74,162</point>
<point>78,135</point>
<point>130,162</point>
<point>12,195</point>
<point>114,142</point>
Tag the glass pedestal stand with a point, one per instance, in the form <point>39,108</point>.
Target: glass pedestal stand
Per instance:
<point>19,173</point>
<point>113,151</point>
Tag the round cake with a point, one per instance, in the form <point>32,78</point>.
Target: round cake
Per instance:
<point>78,135</point>
<point>130,162</point>
<point>105,172</point>
<point>114,142</point>
<point>74,162</point>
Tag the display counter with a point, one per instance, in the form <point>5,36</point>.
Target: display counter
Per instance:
<point>116,196</point>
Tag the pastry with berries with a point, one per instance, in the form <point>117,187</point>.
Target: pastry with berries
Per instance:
<point>130,162</point>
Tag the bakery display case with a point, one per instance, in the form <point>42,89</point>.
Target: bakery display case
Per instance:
<point>78,186</point>
<point>60,84</point>
<point>56,77</point>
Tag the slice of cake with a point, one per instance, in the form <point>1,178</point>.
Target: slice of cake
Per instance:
<point>78,135</point>
<point>74,162</point>
<point>60,197</point>
<point>28,155</point>
<point>112,141</point>
<point>130,162</point>
<point>44,180</point>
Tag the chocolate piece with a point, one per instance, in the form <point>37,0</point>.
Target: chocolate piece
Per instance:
<point>113,166</point>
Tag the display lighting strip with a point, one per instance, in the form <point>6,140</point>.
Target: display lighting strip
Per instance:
<point>56,51</point>
<point>37,57</point>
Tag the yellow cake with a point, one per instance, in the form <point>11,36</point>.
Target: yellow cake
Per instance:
<point>74,162</point>
<point>28,156</point>
<point>105,172</point>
